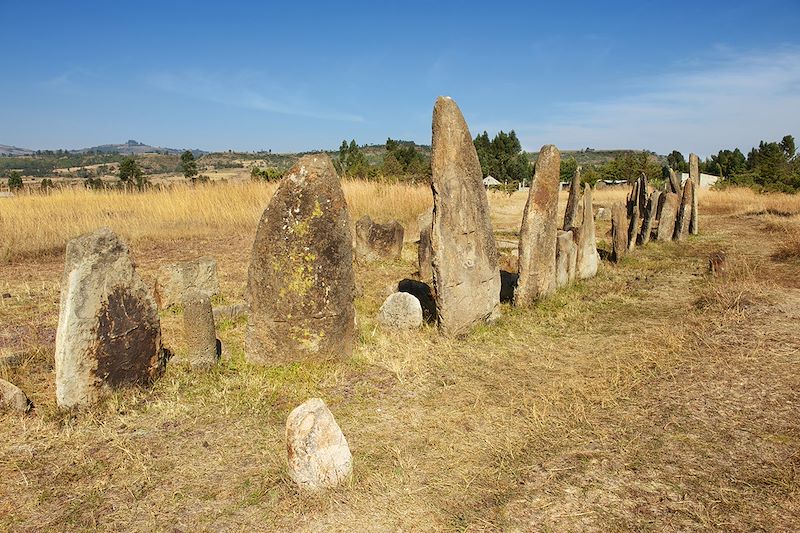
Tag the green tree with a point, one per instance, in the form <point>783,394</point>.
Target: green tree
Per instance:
<point>789,148</point>
<point>568,168</point>
<point>676,162</point>
<point>188,165</point>
<point>130,174</point>
<point>391,166</point>
<point>14,181</point>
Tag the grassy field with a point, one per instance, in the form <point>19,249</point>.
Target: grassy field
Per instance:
<point>649,398</point>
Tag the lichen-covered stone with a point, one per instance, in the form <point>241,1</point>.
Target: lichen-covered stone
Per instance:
<point>109,333</point>
<point>537,235</point>
<point>203,348</point>
<point>465,272</point>
<point>175,280</point>
<point>683,220</point>
<point>300,282</point>
<point>318,454</point>
<point>400,310</point>
<point>375,242</point>
<point>669,212</point>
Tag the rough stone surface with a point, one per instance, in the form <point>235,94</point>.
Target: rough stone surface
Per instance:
<point>300,282</point>
<point>566,258</point>
<point>619,233</point>
<point>376,242</point>
<point>603,213</point>
<point>537,235</point>
<point>669,211</point>
<point>400,310</point>
<point>422,292</point>
<point>674,181</point>
<point>318,454</point>
<point>231,312</point>
<point>587,259</point>
<point>694,176</point>
<point>424,250</point>
<point>465,273</point>
<point>199,330</point>
<point>683,219</point>
<point>12,398</point>
<point>177,279</point>
<point>649,217</point>
<point>571,212</point>
<point>109,333</point>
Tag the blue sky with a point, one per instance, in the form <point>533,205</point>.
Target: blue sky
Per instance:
<point>694,76</point>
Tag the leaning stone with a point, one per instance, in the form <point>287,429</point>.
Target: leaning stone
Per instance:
<point>12,398</point>
<point>109,333</point>
<point>566,258</point>
<point>177,279</point>
<point>571,213</point>
<point>401,310</point>
<point>619,234</point>
<point>633,227</point>
<point>424,251</point>
<point>375,242</point>
<point>669,211</point>
<point>199,331</point>
<point>300,282</point>
<point>465,273</point>
<point>683,219</point>
<point>643,194</point>
<point>649,217</point>
<point>318,454</point>
<point>587,259</point>
<point>674,181</point>
<point>538,233</point>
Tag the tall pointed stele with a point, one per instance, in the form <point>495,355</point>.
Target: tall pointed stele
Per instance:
<point>538,233</point>
<point>465,272</point>
<point>300,283</point>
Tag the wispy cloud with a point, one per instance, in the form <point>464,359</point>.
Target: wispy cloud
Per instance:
<point>246,90</point>
<point>735,99</point>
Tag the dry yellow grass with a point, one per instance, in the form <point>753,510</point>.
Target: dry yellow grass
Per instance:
<point>35,224</point>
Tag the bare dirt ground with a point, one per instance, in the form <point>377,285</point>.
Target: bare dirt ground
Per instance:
<point>651,398</point>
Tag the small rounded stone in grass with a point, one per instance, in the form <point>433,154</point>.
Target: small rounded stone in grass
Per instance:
<point>400,310</point>
<point>318,454</point>
<point>12,398</point>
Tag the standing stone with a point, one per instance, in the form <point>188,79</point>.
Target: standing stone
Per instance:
<point>300,283</point>
<point>571,212</point>
<point>375,242</point>
<point>684,213</point>
<point>400,310</point>
<point>424,251</point>
<point>674,181</point>
<point>619,234</point>
<point>199,330</point>
<point>178,279</point>
<point>566,258</point>
<point>587,259</point>
<point>669,212</point>
<point>465,274</point>
<point>537,236</point>
<point>694,176</point>
<point>649,217</point>
<point>318,454</point>
<point>12,398</point>
<point>643,194</point>
<point>633,226</point>
<point>109,333</point>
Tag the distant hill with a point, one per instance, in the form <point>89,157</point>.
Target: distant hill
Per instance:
<point>133,148</point>
<point>13,150</point>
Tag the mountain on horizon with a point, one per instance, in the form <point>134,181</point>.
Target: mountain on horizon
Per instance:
<point>131,147</point>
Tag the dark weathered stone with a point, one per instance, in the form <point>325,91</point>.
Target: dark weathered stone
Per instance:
<point>633,226</point>
<point>300,283</point>
<point>375,242</point>
<point>669,212</point>
<point>465,273</point>
<point>177,279</point>
<point>587,259</point>
<point>199,330</point>
<point>571,212</point>
<point>109,333</point>
<point>619,233</point>
<point>566,258</point>
<point>538,233</point>
<point>424,250</point>
<point>649,217</point>
<point>12,398</point>
<point>422,292</point>
<point>644,192</point>
<point>684,212</point>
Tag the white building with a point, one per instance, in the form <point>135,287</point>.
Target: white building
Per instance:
<point>706,180</point>
<point>489,181</point>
